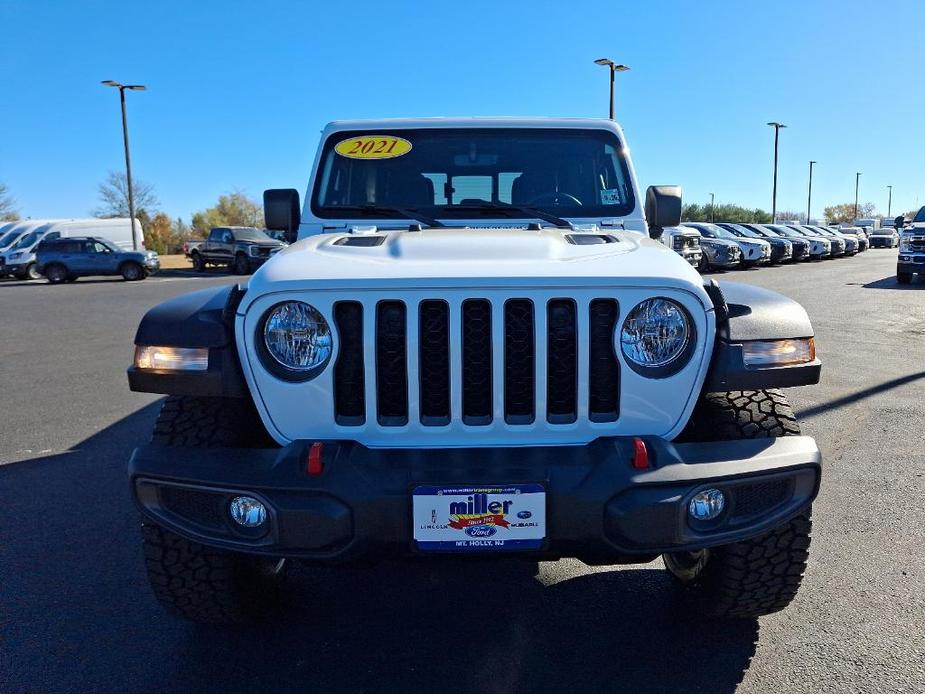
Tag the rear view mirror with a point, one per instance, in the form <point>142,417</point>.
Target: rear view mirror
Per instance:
<point>663,208</point>
<point>282,211</point>
<point>899,222</point>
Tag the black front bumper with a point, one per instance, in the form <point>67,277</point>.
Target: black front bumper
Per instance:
<point>599,508</point>
<point>911,263</point>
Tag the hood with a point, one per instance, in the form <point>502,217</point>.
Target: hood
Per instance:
<point>724,243</point>
<point>269,243</point>
<point>476,257</point>
<point>753,242</point>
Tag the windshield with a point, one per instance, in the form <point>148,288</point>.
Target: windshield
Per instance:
<point>920,215</point>
<point>784,231</point>
<point>27,240</point>
<point>739,230</point>
<point>462,173</point>
<point>251,235</point>
<point>8,238</point>
<point>714,231</point>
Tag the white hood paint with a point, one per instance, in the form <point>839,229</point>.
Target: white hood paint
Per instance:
<point>474,257</point>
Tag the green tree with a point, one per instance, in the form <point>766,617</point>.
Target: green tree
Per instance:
<point>7,205</point>
<point>232,209</point>
<point>724,212</point>
<point>844,213</point>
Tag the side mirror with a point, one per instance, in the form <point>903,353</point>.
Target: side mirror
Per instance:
<point>663,208</point>
<point>899,222</point>
<point>282,211</point>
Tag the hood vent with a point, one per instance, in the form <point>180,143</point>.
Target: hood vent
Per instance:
<point>360,241</point>
<point>590,239</point>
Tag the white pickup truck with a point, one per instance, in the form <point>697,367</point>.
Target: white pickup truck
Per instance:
<point>475,347</point>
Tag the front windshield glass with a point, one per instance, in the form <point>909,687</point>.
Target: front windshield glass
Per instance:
<point>920,216</point>
<point>745,231</point>
<point>716,232</point>
<point>251,235</point>
<point>8,238</point>
<point>458,173</point>
<point>785,231</point>
<point>27,240</point>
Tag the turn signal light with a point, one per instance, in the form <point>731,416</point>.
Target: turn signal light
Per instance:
<point>172,358</point>
<point>765,353</point>
<point>313,465</point>
<point>640,454</point>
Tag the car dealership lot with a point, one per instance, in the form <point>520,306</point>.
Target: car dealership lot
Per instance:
<point>76,612</point>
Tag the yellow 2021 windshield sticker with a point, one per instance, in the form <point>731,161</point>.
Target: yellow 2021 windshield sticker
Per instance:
<point>373,147</point>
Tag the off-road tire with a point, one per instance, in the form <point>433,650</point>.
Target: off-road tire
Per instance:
<point>210,423</point>
<point>132,272</point>
<point>241,264</point>
<point>199,264</point>
<point>189,579</point>
<point>703,265</point>
<point>56,273</point>
<point>904,277</point>
<point>205,585</point>
<point>760,575</point>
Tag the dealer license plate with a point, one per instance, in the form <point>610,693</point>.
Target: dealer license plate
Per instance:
<point>478,519</point>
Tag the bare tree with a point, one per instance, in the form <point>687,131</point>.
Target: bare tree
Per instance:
<point>7,205</point>
<point>113,194</point>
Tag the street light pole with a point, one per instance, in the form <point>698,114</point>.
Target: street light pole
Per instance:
<point>712,208</point>
<point>809,198</point>
<point>128,159</point>
<point>889,204</point>
<point>777,126</point>
<point>614,68</point>
<point>857,183</point>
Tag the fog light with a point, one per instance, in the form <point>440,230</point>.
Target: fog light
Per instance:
<point>707,505</point>
<point>247,511</point>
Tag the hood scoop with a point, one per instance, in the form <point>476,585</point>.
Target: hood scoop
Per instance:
<point>360,241</point>
<point>590,239</point>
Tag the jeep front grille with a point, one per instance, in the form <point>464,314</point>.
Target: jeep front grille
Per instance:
<point>535,372</point>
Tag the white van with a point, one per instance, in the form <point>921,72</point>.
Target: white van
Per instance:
<point>11,233</point>
<point>117,230</point>
<point>19,259</point>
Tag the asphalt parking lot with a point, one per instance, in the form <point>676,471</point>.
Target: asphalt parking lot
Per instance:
<point>76,612</point>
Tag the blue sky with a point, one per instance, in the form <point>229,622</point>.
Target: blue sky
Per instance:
<point>239,91</point>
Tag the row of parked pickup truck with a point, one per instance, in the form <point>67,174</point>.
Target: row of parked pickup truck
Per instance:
<point>728,245</point>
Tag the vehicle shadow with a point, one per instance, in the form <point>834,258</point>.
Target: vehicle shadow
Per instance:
<point>891,283</point>
<point>79,614</point>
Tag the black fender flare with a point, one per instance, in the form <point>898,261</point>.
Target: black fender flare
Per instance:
<point>745,313</point>
<point>201,319</point>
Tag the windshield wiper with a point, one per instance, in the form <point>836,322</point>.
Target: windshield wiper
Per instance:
<point>372,208</point>
<point>519,209</point>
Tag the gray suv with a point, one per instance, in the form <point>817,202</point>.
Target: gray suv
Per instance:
<point>64,260</point>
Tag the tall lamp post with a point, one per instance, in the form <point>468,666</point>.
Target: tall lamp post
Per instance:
<point>809,198</point>
<point>712,208</point>
<point>889,202</point>
<point>128,160</point>
<point>857,183</point>
<point>777,126</point>
<point>614,68</point>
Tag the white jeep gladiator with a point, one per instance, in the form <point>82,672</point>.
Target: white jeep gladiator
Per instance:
<point>475,347</point>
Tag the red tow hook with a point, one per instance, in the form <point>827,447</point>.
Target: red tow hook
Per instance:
<point>640,454</point>
<point>314,466</point>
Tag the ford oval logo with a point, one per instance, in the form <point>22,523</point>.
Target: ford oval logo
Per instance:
<point>524,515</point>
<point>481,530</point>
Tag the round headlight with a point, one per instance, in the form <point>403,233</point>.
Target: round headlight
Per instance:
<point>655,335</point>
<point>298,339</point>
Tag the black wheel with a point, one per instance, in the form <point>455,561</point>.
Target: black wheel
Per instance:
<point>703,265</point>
<point>132,272</point>
<point>904,277</point>
<point>757,576</point>
<point>31,273</point>
<point>191,580</point>
<point>56,274</point>
<point>241,265</point>
<point>199,265</point>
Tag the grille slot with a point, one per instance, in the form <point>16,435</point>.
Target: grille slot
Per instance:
<point>561,362</point>
<point>434,364</point>
<point>476,362</point>
<point>391,363</point>
<point>349,372</point>
<point>519,360</point>
<point>603,368</point>
<point>760,497</point>
<point>203,508</point>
